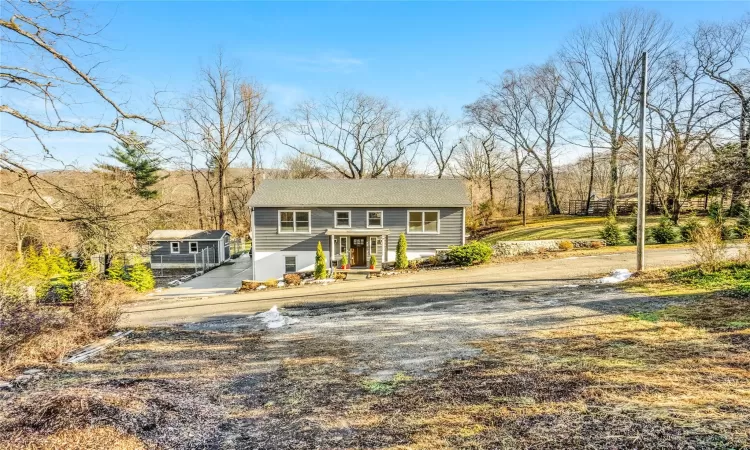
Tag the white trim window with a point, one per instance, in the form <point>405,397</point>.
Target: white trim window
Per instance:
<point>376,247</point>
<point>295,222</point>
<point>193,246</point>
<point>343,245</point>
<point>423,222</point>
<point>174,247</point>
<point>374,219</point>
<point>290,264</point>
<point>342,219</point>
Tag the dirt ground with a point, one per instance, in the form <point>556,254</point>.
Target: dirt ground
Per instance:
<point>484,366</point>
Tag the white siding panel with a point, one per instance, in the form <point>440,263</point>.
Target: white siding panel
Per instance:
<point>271,264</point>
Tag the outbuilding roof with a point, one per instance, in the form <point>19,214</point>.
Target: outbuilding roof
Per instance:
<point>186,235</point>
<point>414,192</point>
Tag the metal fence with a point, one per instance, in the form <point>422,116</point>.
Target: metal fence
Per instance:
<point>238,246</point>
<point>198,262</point>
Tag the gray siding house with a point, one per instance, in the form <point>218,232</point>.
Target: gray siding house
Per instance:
<point>358,218</point>
<point>180,249</point>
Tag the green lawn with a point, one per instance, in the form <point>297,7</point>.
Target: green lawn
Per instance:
<point>718,299</point>
<point>559,227</point>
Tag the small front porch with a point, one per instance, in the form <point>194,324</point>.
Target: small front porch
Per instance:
<point>358,245</point>
<point>358,273</point>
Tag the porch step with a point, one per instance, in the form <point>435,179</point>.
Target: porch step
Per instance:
<point>356,276</point>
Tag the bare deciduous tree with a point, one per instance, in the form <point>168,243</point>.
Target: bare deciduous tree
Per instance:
<point>261,123</point>
<point>432,130</point>
<point>215,119</point>
<point>49,86</point>
<point>483,117</point>
<point>356,135</point>
<point>723,54</point>
<point>299,166</point>
<point>688,112</point>
<point>532,105</point>
<point>603,66</point>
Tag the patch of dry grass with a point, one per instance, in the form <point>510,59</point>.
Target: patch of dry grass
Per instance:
<point>627,384</point>
<point>613,382</point>
<point>97,437</point>
<point>34,335</point>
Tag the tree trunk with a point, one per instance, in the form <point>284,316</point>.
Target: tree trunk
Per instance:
<point>614,179</point>
<point>551,192</point>
<point>523,206</point>
<point>736,198</point>
<point>519,206</point>
<point>198,198</point>
<point>222,196</point>
<point>19,246</point>
<point>553,205</point>
<point>520,184</point>
<point>744,126</point>
<point>490,172</point>
<point>254,167</point>
<point>591,182</point>
<point>677,190</point>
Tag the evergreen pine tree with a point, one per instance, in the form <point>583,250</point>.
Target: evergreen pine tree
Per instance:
<point>402,262</point>
<point>140,278</point>
<point>320,263</point>
<point>138,162</point>
<point>116,271</point>
<point>610,232</point>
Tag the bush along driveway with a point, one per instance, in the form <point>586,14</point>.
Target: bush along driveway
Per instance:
<point>531,364</point>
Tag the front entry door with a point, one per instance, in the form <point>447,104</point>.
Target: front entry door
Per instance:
<point>358,251</point>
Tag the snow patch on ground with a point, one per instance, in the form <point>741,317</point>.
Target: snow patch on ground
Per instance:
<point>274,319</point>
<point>617,276</point>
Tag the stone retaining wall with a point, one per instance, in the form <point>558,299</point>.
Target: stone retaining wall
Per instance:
<point>515,248</point>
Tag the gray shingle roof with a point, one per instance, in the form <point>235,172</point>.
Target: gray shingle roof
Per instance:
<point>368,192</point>
<point>186,235</point>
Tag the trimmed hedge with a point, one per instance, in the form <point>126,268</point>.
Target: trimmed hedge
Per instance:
<point>476,252</point>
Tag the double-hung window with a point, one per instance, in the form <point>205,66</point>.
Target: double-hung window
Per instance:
<point>290,264</point>
<point>193,247</point>
<point>374,219</point>
<point>342,219</point>
<point>174,247</point>
<point>427,222</point>
<point>376,246</point>
<point>344,245</point>
<point>294,222</point>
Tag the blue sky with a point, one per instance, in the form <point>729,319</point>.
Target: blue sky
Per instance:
<point>416,54</point>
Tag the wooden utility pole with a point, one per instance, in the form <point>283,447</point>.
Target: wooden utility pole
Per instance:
<point>641,240</point>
